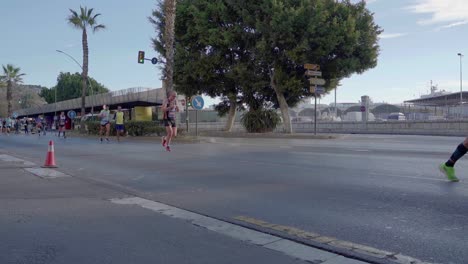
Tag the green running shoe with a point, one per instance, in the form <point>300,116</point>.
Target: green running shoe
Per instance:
<point>449,172</point>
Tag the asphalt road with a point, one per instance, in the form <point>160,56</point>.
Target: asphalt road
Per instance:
<point>379,191</point>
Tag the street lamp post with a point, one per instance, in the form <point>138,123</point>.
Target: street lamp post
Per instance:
<point>461,84</point>
<point>87,80</point>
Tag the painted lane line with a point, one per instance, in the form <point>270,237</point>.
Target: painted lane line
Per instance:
<point>46,173</point>
<point>264,240</point>
<point>314,237</point>
<point>8,158</point>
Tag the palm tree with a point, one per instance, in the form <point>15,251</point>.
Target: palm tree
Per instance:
<point>82,21</point>
<point>169,36</point>
<point>11,77</point>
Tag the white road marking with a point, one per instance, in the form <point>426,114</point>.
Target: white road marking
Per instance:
<point>46,173</point>
<point>8,158</point>
<point>276,243</point>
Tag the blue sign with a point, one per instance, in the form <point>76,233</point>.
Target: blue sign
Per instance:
<point>154,61</point>
<point>15,115</point>
<point>71,114</point>
<point>320,90</point>
<point>197,102</point>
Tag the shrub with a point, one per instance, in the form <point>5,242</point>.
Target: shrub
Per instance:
<point>260,121</point>
<point>133,128</point>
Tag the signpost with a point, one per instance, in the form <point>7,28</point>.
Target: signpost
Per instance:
<point>15,115</point>
<point>313,70</point>
<point>197,104</point>
<point>312,67</point>
<point>316,81</point>
<point>363,108</point>
<point>313,73</point>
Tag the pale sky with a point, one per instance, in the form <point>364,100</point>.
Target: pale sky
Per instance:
<point>420,44</point>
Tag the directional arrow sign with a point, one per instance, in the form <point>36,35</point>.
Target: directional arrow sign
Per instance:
<point>317,90</point>
<point>314,73</point>
<point>316,81</point>
<point>197,102</point>
<point>320,90</point>
<point>313,67</point>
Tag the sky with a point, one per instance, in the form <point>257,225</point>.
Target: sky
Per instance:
<point>420,43</point>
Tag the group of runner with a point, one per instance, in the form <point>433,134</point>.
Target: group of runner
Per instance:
<point>169,108</point>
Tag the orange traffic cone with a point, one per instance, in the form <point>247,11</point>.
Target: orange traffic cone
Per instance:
<point>50,159</point>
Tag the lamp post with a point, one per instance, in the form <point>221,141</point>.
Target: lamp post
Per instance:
<point>461,84</point>
<point>81,67</point>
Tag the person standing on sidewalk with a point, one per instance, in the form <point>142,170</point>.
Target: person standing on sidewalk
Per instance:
<point>119,122</point>
<point>105,122</point>
<point>447,168</point>
<point>170,108</point>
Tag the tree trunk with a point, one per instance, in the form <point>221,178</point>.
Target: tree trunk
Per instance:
<point>169,35</point>
<point>232,113</point>
<point>283,105</point>
<point>9,96</point>
<point>84,75</point>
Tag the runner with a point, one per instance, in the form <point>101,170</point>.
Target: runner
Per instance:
<point>105,122</point>
<point>169,108</point>
<point>4,125</point>
<point>62,121</point>
<point>119,122</point>
<point>17,126</point>
<point>26,126</point>
<point>8,124</point>
<point>447,168</point>
<point>39,126</point>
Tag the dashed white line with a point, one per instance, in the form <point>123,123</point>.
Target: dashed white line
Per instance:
<point>276,243</point>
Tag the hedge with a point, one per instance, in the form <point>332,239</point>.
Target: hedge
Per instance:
<point>133,128</point>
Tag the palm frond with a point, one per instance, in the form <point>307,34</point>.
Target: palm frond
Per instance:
<point>93,20</point>
<point>99,27</point>
<point>90,12</point>
<point>74,19</point>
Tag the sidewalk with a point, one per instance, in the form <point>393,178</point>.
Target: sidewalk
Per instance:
<point>62,219</point>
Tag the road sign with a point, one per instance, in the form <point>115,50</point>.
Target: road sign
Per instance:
<point>197,102</point>
<point>312,67</point>
<point>317,90</point>
<point>154,61</point>
<point>316,81</point>
<point>363,108</point>
<point>71,114</point>
<point>313,73</point>
<point>15,115</point>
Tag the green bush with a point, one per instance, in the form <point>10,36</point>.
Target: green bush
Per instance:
<point>260,121</point>
<point>133,128</point>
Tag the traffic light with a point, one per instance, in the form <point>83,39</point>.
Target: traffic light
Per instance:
<point>189,102</point>
<point>141,57</point>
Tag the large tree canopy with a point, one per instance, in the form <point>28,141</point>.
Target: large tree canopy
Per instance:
<point>69,87</point>
<point>252,52</point>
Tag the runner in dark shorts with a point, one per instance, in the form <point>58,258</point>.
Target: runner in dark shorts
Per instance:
<point>119,122</point>
<point>105,122</point>
<point>62,121</point>
<point>170,109</point>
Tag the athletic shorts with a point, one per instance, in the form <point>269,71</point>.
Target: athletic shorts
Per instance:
<point>169,122</point>
<point>103,125</point>
<point>119,127</point>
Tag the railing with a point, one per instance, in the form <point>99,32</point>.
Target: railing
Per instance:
<point>137,94</point>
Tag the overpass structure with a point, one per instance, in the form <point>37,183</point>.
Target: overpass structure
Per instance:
<point>128,98</point>
<point>444,100</point>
